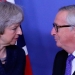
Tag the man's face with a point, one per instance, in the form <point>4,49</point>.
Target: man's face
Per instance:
<point>64,37</point>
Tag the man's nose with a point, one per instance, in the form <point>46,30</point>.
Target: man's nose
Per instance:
<point>53,32</point>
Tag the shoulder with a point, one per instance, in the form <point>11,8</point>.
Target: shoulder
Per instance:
<point>61,54</point>
<point>59,62</point>
<point>16,54</point>
<point>14,48</point>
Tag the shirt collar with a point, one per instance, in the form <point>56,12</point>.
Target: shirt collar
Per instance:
<point>72,53</point>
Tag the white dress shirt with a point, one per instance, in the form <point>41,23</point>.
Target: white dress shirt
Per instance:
<point>73,64</point>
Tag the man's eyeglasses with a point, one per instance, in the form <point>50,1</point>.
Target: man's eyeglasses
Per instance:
<point>57,27</point>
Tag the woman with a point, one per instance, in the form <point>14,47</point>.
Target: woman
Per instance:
<point>12,58</point>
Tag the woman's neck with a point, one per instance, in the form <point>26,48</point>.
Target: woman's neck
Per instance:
<point>2,51</point>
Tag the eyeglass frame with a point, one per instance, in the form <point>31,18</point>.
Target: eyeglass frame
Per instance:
<point>57,27</point>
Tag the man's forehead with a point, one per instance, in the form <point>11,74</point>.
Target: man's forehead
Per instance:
<point>61,18</point>
<point>61,14</point>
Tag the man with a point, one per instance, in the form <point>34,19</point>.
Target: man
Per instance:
<point>64,34</point>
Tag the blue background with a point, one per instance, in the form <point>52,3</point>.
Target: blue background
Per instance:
<point>37,25</point>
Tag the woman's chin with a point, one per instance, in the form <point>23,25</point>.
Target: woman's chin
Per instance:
<point>13,43</point>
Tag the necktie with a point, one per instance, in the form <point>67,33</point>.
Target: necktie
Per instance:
<point>69,64</point>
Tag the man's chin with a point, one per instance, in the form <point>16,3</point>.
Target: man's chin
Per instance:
<point>58,44</point>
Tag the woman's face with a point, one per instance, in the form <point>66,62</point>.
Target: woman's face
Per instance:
<point>10,35</point>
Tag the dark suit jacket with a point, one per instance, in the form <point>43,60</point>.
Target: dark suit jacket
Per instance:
<point>60,63</point>
<point>15,61</point>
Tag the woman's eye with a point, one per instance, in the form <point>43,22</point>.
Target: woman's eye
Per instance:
<point>14,28</point>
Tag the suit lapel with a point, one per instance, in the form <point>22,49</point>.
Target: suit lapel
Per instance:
<point>73,73</point>
<point>63,57</point>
